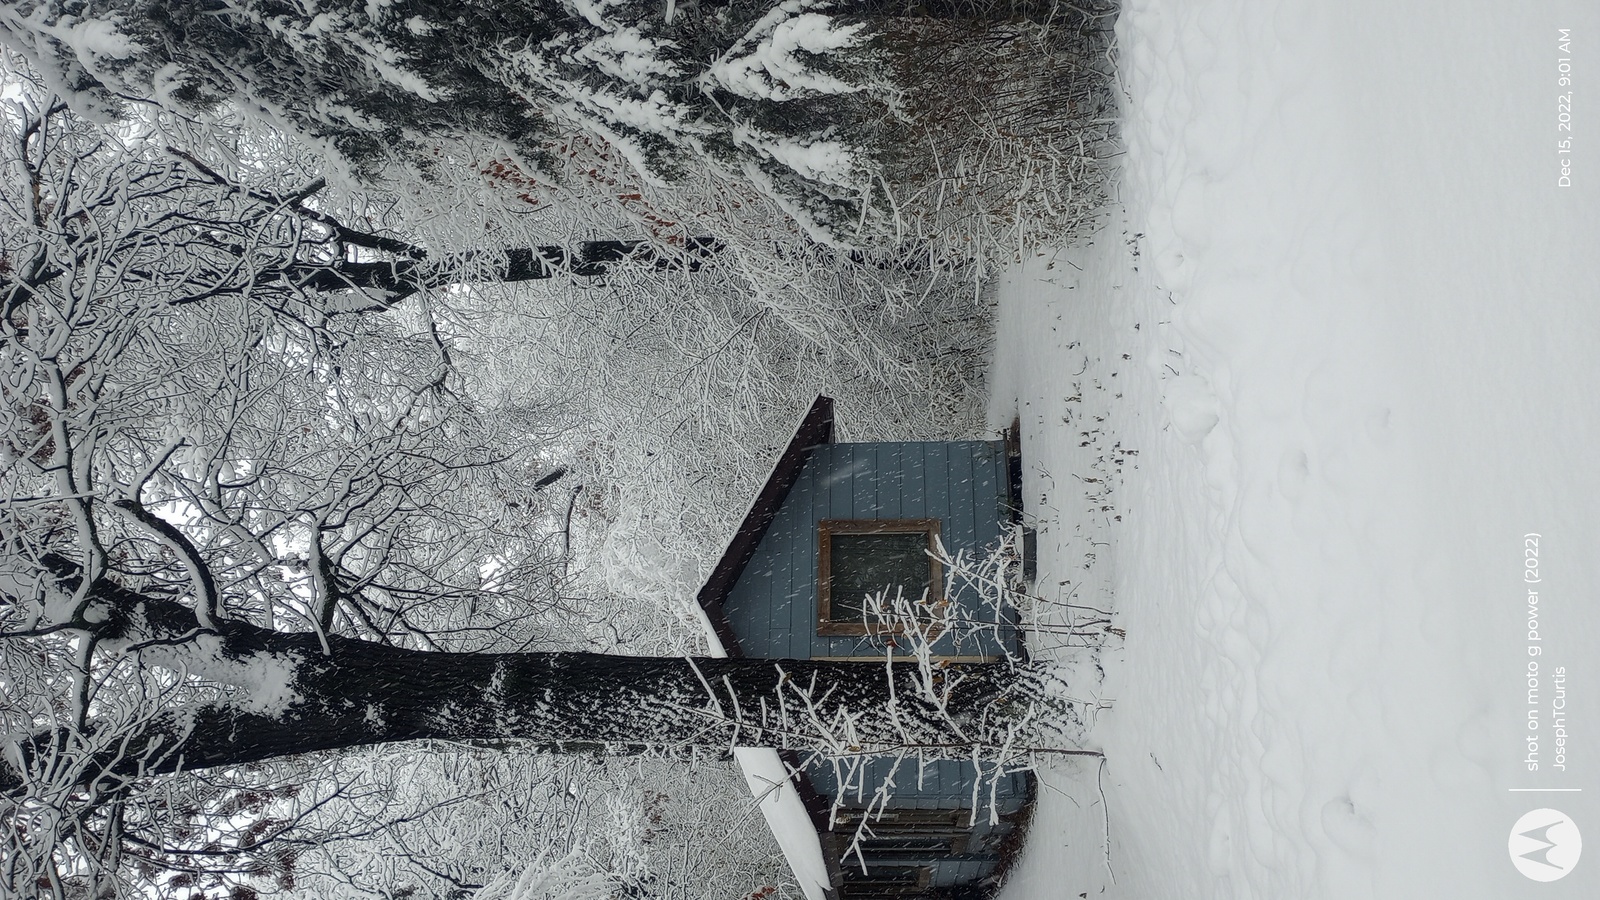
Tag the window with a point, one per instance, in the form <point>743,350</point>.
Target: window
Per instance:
<point>864,556</point>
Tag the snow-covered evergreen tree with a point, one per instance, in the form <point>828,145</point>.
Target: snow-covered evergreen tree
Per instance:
<point>762,91</point>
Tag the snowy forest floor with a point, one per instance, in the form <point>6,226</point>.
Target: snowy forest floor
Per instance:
<point>1291,415</point>
<point>1069,327</point>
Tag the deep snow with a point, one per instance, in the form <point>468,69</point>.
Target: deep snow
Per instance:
<point>1341,334</point>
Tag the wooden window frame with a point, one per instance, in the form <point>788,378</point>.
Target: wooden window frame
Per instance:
<point>827,528</point>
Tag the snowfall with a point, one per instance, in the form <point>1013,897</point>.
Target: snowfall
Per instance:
<point>1313,413</point>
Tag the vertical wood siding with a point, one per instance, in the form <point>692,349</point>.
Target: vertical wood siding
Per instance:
<point>773,606</point>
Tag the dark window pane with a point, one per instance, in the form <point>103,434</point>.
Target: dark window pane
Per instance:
<point>861,564</point>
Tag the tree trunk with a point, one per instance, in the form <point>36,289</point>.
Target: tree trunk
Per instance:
<point>399,278</point>
<point>292,696</point>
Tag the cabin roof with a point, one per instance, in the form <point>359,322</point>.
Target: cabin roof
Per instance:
<point>815,428</point>
<point>791,814</point>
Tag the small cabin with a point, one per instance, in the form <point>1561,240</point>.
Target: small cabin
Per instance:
<point>833,523</point>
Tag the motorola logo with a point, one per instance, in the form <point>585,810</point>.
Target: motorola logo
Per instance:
<point>1545,844</point>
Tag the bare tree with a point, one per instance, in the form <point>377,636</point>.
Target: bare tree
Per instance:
<point>445,821</point>
<point>240,523</point>
<point>177,418</point>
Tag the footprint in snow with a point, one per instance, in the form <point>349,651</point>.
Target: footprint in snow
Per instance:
<point>1191,406</point>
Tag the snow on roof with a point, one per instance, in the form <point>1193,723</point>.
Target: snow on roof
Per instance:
<point>774,789</point>
<point>779,801</point>
<point>786,816</point>
<point>814,427</point>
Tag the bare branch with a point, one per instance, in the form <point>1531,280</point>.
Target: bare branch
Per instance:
<point>208,606</point>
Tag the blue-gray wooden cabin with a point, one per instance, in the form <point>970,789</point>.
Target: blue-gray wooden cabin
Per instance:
<point>833,522</point>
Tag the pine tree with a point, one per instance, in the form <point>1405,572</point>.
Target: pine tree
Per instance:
<point>766,92</point>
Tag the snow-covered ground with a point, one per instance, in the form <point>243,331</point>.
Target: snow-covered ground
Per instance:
<point>1293,415</point>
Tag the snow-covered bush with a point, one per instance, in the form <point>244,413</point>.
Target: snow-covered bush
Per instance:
<point>445,821</point>
<point>1001,141</point>
<point>678,391</point>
